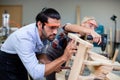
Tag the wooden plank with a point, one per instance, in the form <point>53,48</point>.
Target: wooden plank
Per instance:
<point>101,64</point>
<point>90,77</point>
<point>79,40</point>
<point>112,76</point>
<point>78,62</point>
<point>111,43</point>
<point>61,75</point>
<point>96,56</point>
<point>115,55</point>
<point>83,46</point>
<point>78,14</point>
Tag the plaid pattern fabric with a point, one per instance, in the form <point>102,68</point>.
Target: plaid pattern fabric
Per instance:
<point>60,41</point>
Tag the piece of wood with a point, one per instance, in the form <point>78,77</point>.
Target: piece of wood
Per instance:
<point>100,65</point>
<point>82,48</point>
<point>86,77</point>
<point>78,14</point>
<point>109,47</point>
<point>112,76</point>
<point>83,65</point>
<point>116,68</point>
<point>95,56</point>
<point>111,43</point>
<point>115,55</point>
<point>61,75</point>
<point>79,40</point>
<point>78,62</point>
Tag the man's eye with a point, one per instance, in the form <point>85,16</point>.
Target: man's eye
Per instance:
<point>54,27</point>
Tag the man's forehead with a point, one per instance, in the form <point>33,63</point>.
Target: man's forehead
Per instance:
<point>93,22</point>
<point>53,22</point>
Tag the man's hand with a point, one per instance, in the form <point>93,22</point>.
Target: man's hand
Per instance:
<point>70,50</point>
<point>96,37</point>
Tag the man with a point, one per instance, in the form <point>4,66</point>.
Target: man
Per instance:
<point>90,22</point>
<point>18,53</point>
<point>58,45</point>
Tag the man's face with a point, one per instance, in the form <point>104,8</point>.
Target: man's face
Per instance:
<point>92,24</point>
<point>51,28</point>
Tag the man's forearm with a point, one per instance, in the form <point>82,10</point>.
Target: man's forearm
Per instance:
<point>77,29</point>
<point>43,58</point>
<point>51,67</point>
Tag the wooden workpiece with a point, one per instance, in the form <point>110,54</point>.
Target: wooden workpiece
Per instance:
<point>97,64</point>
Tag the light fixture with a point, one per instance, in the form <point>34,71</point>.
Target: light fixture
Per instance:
<point>113,17</point>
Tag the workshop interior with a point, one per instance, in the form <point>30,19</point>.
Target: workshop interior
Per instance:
<point>17,13</point>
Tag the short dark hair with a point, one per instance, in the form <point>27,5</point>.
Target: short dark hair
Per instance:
<point>47,13</point>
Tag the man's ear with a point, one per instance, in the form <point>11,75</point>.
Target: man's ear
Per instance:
<point>39,24</point>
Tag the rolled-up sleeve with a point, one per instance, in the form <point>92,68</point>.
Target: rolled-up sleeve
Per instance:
<point>25,48</point>
<point>39,72</point>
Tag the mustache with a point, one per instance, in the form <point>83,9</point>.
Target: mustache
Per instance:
<point>53,35</point>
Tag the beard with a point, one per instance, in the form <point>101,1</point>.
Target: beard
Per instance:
<point>48,37</point>
<point>51,37</point>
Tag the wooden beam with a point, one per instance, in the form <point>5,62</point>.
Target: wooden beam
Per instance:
<point>79,40</point>
<point>77,63</point>
<point>112,76</point>
<point>78,14</point>
<point>82,49</point>
<point>115,55</point>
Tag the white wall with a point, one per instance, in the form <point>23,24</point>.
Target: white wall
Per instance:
<point>102,10</point>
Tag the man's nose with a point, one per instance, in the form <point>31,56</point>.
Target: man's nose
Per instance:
<point>93,28</point>
<point>55,31</point>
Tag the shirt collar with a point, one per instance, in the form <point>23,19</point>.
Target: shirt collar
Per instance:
<point>39,41</point>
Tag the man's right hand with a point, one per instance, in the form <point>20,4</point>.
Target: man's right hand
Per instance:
<point>96,37</point>
<point>70,50</point>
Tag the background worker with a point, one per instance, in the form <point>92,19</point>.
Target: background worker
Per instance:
<point>90,22</point>
<point>58,45</point>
